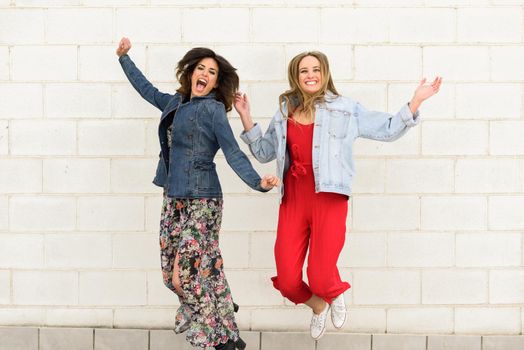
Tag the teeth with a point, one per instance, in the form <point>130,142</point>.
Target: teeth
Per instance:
<point>311,82</point>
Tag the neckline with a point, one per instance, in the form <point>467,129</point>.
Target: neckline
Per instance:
<point>294,121</point>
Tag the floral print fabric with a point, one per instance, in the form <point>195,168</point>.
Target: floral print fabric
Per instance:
<point>190,227</point>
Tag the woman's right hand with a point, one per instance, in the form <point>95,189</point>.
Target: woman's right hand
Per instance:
<point>269,181</point>
<point>242,107</point>
<point>123,47</point>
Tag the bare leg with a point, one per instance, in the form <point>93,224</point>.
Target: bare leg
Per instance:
<point>316,303</point>
<point>176,277</point>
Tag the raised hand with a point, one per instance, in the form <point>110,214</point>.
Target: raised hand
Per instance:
<point>123,46</point>
<point>423,92</point>
<point>269,181</point>
<point>242,106</point>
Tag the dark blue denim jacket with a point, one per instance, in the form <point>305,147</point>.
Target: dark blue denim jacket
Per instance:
<point>200,129</point>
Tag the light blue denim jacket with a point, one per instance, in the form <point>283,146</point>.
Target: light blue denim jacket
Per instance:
<point>338,122</point>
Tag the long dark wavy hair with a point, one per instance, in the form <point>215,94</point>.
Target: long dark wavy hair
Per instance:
<point>227,77</point>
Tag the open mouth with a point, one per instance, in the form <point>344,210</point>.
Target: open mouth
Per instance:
<point>201,85</point>
<point>311,82</point>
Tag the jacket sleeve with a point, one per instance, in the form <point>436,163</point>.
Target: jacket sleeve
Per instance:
<point>263,147</point>
<point>383,126</point>
<point>236,159</point>
<point>142,85</point>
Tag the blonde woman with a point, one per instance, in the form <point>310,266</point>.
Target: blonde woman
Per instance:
<point>311,136</point>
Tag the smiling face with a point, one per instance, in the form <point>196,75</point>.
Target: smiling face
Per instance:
<point>204,77</point>
<point>310,75</point>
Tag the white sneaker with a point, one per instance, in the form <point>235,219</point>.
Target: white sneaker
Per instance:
<point>338,311</point>
<point>318,323</point>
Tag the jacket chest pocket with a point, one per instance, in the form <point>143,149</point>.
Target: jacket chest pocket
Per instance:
<point>338,123</point>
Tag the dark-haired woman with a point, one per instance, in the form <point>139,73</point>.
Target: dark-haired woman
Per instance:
<point>193,127</point>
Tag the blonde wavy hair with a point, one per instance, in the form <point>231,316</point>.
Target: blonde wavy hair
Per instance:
<point>295,97</point>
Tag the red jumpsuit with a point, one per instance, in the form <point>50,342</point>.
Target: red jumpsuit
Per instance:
<point>308,219</point>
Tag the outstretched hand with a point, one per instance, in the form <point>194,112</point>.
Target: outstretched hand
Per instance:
<point>269,181</point>
<point>123,47</point>
<point>425,91</point>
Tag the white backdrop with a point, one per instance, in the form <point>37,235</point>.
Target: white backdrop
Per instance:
<point>435,231</point>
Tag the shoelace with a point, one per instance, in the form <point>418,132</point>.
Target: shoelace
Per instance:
<point>319,320</point>
<point>338,305</point>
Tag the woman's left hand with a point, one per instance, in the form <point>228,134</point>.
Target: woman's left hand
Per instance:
<point>269,181</point>
<point>423,92</point>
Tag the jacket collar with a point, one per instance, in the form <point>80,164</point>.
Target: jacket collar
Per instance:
<point>211,95</point>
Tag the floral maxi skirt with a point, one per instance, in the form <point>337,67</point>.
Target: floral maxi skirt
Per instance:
<point>190,228</point>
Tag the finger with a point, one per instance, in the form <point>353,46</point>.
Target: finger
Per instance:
<point>269,178</point>
<point>422,82</point>
<point>127,43</point>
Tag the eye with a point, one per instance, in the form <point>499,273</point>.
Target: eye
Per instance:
<point>200,68</point>
<point>316,70</point>
<point>212,72</point>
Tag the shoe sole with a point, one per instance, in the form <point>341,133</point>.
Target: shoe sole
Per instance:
<point>343,323</point>
<point>320,336</point>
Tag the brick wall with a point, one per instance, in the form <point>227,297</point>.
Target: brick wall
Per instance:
<point>435,231</point>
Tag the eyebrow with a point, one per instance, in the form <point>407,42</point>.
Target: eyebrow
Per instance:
<point>203,66</point>
<point>306,67</point>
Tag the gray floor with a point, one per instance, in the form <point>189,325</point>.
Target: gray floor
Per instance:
<point>26,338</point>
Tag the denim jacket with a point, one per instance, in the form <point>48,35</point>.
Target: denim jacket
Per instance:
<point>199,129</point>
<point>338,122</point>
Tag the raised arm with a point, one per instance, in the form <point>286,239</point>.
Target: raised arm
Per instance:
<point>387,127</point>
<point>138,80</point>
<point>263,147</point>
